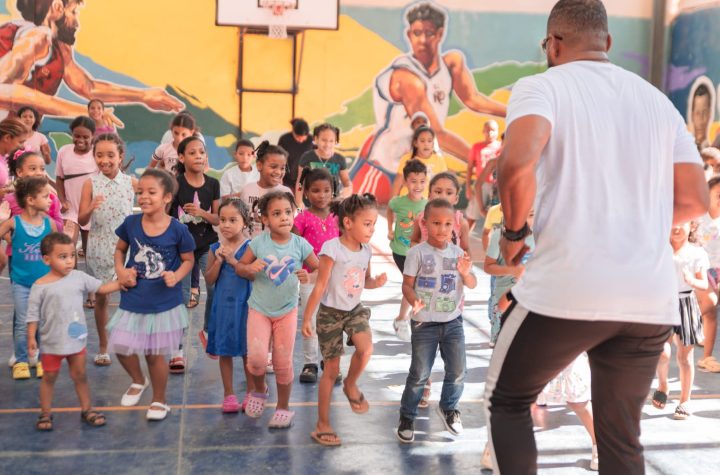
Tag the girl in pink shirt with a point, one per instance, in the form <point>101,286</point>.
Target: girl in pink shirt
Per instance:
<point>35,142</point>
<point>317,225</point>
<point>75,165</point>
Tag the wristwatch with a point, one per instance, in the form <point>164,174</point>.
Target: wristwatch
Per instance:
<point>518,235</point>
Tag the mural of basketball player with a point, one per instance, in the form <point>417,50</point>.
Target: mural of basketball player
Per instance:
<point>36,57</point>
<point>701,108</point>
<point>422,80</point>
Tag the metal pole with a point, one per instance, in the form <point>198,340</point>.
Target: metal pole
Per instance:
<point>658,46</point>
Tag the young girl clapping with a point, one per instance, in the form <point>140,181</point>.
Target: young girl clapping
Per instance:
<point>274,261</point>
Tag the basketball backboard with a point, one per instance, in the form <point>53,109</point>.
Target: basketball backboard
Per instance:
<point>309,15</point>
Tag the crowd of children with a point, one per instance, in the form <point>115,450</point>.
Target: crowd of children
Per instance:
<point>273,256</point>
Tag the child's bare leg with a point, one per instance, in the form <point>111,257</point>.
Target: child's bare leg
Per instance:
<point>47,385</point>
<point>663,367</point>
<point>131,364</point>
<point>226,373</point>
<point>79,377</point>
<point>685,361</point>
<point>159,371</point>
<point>584,413</point>
<point>101,318</point>
<point>248,377</point>
<point>404,310</point>
<point>325,388</point>
<point>358,362</point>
<point>708,302</point>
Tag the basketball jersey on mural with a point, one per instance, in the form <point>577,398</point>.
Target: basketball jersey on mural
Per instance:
<point>393,134</point>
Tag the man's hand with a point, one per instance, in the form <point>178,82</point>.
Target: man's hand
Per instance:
<point>159,100</point>
<point>513,251</point>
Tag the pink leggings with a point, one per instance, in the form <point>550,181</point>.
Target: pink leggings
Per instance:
<point>261,330</point>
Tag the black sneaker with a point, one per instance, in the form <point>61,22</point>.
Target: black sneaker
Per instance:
<point>309,374</point>
<point>452,421</point>
<point>406,430</point>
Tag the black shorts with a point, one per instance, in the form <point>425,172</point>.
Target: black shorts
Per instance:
<point>399,261</point>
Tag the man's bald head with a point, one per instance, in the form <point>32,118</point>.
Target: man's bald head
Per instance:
<point>581,23</point>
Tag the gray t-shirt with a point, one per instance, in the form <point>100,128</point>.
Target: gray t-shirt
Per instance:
<point>347,279</point>
<point>437,281</point>
<point>58,307</point>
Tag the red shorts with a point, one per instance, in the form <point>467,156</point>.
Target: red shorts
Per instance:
<point>51,363</point>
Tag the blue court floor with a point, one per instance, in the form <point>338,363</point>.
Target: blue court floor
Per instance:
<point>197,438</point>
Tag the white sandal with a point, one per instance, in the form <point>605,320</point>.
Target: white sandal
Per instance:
<point>282,419</point>
<point>133,399</point>
<point>158,411</point>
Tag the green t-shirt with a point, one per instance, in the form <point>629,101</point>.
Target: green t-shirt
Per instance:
<point>406,211</point>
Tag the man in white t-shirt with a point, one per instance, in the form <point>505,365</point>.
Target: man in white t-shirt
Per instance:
<point>601,278</point>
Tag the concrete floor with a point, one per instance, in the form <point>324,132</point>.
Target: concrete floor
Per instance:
<point>198,438</point>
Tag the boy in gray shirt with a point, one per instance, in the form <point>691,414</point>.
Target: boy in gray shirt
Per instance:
<point>435,273</point>
<point>55,311</point>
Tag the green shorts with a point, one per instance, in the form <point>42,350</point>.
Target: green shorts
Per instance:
<point>331,323</point>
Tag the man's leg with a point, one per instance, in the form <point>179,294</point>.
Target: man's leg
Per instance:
<point>530,351</point>
<point>622,370</point>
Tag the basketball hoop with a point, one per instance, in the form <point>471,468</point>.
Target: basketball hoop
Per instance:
<point>277,27</point>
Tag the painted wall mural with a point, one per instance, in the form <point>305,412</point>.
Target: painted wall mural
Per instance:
<point>693,76</point>
<point>151,59</point>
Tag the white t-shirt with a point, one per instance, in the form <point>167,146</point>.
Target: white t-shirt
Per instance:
<point>691,258</point>
<point>347,279</point>
<point>234,179</point>
<point>167,155</point>
<point>708,236</point>
<point>251,194</point>
<point>604,204</point>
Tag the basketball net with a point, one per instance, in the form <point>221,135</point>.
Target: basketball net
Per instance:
<point>277,28</point>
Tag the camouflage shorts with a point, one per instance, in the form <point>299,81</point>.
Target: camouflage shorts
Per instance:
<point>331,323</point>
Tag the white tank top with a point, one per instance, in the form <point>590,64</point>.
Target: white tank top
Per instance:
<point>393,133</point>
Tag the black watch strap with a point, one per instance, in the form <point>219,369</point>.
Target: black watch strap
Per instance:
<point>518,235</point>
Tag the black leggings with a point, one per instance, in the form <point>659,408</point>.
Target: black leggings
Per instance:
<point>532,349</point>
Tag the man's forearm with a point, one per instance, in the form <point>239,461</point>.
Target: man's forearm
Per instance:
<point>517,194</point>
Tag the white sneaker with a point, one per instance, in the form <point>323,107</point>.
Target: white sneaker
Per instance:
<point>178,354</point>
<point>486,462</point>
<point>132,399</point>
<point>402,329</point>
<point>594,460</point>
<point>157,412</point>
<point>12,360</point>
<point>269,366</point>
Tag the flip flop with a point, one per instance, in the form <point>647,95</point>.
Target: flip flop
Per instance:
<point>177,365</point>
<point>102,359</point>
<point>659,399</point>
<point>364,406</point>
<point>318,437</point>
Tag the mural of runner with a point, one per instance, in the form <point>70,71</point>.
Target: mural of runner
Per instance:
<point>36,57</point>
<point>422,80</point>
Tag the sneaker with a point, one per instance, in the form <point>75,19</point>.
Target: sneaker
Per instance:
<point>12,361</point>
<point>681,413</point>
<point>709,365</point>
<point>406,430</point>
<point>309,374</point>
<point>269,367</point>
<point>452,421</point>
<point>594,459</point>
<point>39,370</point>
<point>486,462</point>
<point>402,329</point>
<point>21,371</point>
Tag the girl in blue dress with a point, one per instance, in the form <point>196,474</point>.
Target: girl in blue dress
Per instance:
<point>227,325</point>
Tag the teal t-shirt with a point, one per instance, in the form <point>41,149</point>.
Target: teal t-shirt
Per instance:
<point>275,289</point>
<point>406,211</point>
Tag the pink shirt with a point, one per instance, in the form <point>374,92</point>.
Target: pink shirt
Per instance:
<point>53,212</point>
<point>75,169</point>
<point>35,141</point>
<point>315,230</point>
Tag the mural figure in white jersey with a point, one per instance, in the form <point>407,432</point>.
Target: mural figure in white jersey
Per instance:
<point>421,81</point>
